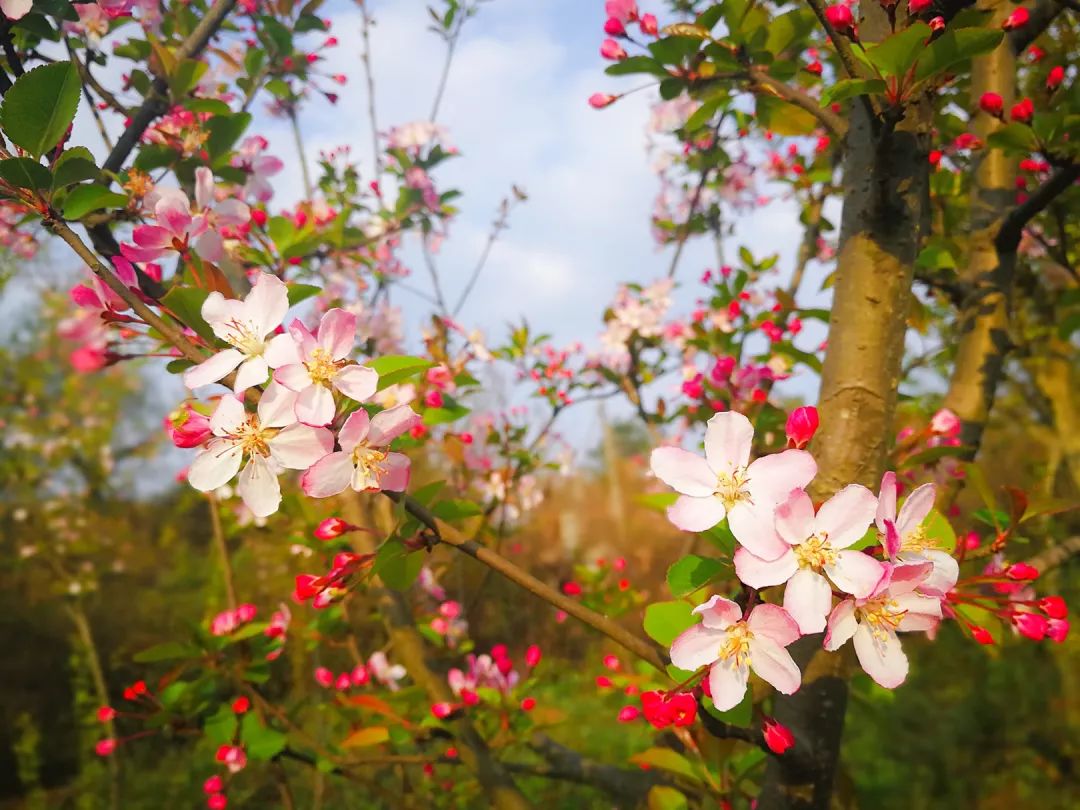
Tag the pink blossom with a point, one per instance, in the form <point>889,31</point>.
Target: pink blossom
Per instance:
<point>187,427</point>
<point>725,483</point>
<point>16,10</point>
<point>232,757</point>
<point>269,440</point>
<point>259,167</point>
<point>904,539</point>
<point>245,325</point>
<point>945,423</point>
<point>874,622</point>
<point>817,558</point>
<point>323,367</point>
<point>731,646</point>
<point>364,461</point>
<point>1057,630</point>
<point>102,748</point>
<point>625,11</point>
<point>384,672</point>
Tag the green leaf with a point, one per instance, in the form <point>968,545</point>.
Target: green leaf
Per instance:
<point>664,621</point>
<point>225,130</point>
<point>397,565</point>
<point>450,412</point>
<point>207,105</point>
<point>186,303</point>
<point>673,50</point>
<point>662,797</point>
<point>657,501</point>
<point>955,46</point>
<point>220,727</point>
<point>692,572</point>
<point>395,368</point>
<point>456,509</point>
<point>261,742</point>
<point>186,76</point>
<point>301,292</point>
<point>168,651</point>
<point>940,531</point>
<point>84,199</point>
<point>40,106</point>
<point>22,172</point>
<point>738,716</point>
<point>895,55</point>
<point>637,64</point>
<point>667,760</point>
<point>73,166</point>
<point>777,115</point>
<point>849,88</point>
<point>1014,137</point>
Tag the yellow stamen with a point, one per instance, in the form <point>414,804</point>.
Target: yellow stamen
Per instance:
<point>815,553</point>
<point>737,645</point>
<point>731,488</point>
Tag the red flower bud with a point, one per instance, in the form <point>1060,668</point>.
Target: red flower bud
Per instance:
<point>648,25</point>
<point>213,785</point>
<point>1023,111</point>
<point>628,714</point>
<point>217,802</point>
<point>777,736</point>
<point>918,6</point>
<point>528,704</point>
<point>105,747</point>
<point>1022,571</point>
<point>841,19</point>
<point>1055,77</point>
<point>992,104</point>
<point>571,588</point>
<point>981,634</point>
<point>441,710</point>
<point>610,49</point>
<point>331,528</point>
<point>935,157</point>
<point>1057,630</point>
<point>1018,19</point>
<point>241,705</point>
<point>937,24</point>
<point>532,656</point>
<point>107,713</point>
<point>614,28</point>
<point>801,426</point>
<point>324,677</point>
<point>1054,607</point>
<point>1030,625</point>
<point>600,100</point>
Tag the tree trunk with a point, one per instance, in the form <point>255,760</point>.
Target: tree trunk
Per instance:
<point>886,174</point>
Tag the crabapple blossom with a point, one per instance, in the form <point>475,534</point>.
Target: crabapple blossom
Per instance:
<point>323,367</point>
<point>187,427</point>
<point>726,483</point>
<point>218,215</point>
<point>250,158</point>
<point>904,539</point>
<point>384,672</point>
<point>271,440</point>
<point>818,557</point>
<point>731,646</point>
<point>246,325</point>
<point>364,461</point>
<point>894,607</point>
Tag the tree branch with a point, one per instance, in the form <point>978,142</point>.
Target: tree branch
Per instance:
<point>1012,228</point>
<point>831,121</point>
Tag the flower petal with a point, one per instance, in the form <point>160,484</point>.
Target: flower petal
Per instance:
<point>755,528</point>
<point>842,625</point>
<point>758,573</point>
<point>795,517</point>
<point>337,333</point>
<point>228,416</point>
<point>774,623</point>
<point>265,306</point>
<point>943,578</point>
<point>394,473</point>
<point>315,405</point>
<point>215,465</point>
<point>259,487</point>
<point>906,574</point>
<point>293,376</point>
<point>886,509</point>
<point>389,424</point>
<point>773,477</point>
<point>695,514</point>
<point>252,372</point>
<point>281,350</point>
<point>277,406</point>
<point>358,383</point>
<point>696,647</point>
<point>204,187</point>
<point>355,430</point>
<point>847,515</point>
<point>727,683</point>
<point>915,509</point>
<point>718,613</point>
<point>808,598</point>
<point>685,472</point>
<point>728,437</point>
<point>774,665</point>
<point>298,446</point>
<point>328,476</point>
<point>855,573</point>
<point>212,369</point>
<point>881,657</point>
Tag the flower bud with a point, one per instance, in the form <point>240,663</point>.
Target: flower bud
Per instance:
<point>937,24</point>
<point>1017,19</point>
<point>1057,630</point>
<point>213,785</point>
<point>217,802</point>
<point>610,49</point>
<point>1054,607</point>
<point>324,677</point>
<point>600,100</point>
<point>441,710</point>
<point>532,656</point>
<point>648,25</point>
<point>918,6</point>
<point>1023,111</point>
<point>841,19</point>
<point>107,713</point>
<point>1022,572</point>
<point>777,736</point>
<point>1055,78</point>
<point>105,747</point>
<point>528,704</point>
<point>1030,625</point>
<point>981,634</point>
<point>802,423</point>
<point>628,714</point>
<point>241,705</point>
<point>992,104</point>
<point>614,27</point>
<point>187,427</point>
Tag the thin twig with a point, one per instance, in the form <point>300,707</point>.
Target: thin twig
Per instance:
<point>223,552</point>
<point>369,78</point>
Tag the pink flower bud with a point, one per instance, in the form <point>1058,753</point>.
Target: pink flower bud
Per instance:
<point>245,613</point>
<point>324,677</point>
<point>187,427</point>
<point>612,662</point>
<point>1054,607</point>
<point>841,19</point>
<point>1018,19</point>
<point>469,697</point>
<point>105,747</point>
<point>777,736</point>
<point>604,682</point>
<point>992,104</point>
<point>628,714</point>
<point>1057,630</point>
<point>802,424</point>
<point>1023,111</point>
<point>107,713</point>
<point>450,609</point>
<point>1022,572</point>
<point>499,651</point>
<point>441,710</point>
<point>343,682</point>
<point>1030,625</point>
<point>241,705</point>
<point>600,100</point>
<point>571,588</point>
<point>648,25</point>
<point>213,785</point>
<point>532,656</point>
<point>610,49</point>
<point>981,634</point>
<point>614,27</point>
<point>918,6</point>
<point>307,586</point>
<point>1055,77</point>
<point>332,527</point>
<point>360,675</point>
<point>433,399</point>
<point>937,24</point>
<point>217,802</point>
<point>504,665</point>
<point>528,704</point>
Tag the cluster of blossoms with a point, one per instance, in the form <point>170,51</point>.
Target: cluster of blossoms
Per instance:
<point>313,379</point>
<point>378,669</point>
<point>495,671</point>
<point>229,621</point>
<point>784,540</point>
<point>636,311</point>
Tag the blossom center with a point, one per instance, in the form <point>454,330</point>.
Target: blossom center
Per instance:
<point>369,463</point>
<point>731,487</point>
<point>815,552</point>
<point>321,367</point>
<point>253,438</point>
<point>882,615</point>
<point>917,541</point>
<point>245,337</point>
<point>736,645</point>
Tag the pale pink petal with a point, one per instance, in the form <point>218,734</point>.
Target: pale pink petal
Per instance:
<point>943,578</point>
<point>774,665</point>
<point>728,437</point>
<point>774,623</point>
<point>847,515</point>
<point>718,613</point>
<point>842,625</point>
<point>337,333</point>
<point>915,509</point>
<point>906,575</point>
<point>125,272</point>
<point>302,336</point>
<point>886,509</point>
<point>315,405</point>
<point>16,9</point>
<point>394,473</point>
<point>210,246</point>
<point>328,476</point>
<point>231,212</point>
<point>727,683</point>
<point>881,657</point>
<point>696,647</point>
<point>355,430</point>
<point>137,254</point>
<point>173,212</point>
<point>281,350</point>
<point>215,465</point>
<point>265,306</point>
<point>808,598</point>
<point>795,517</point>
<point>915,605</point>
<point>297,447</point>
<point>389,424</point>
<point>294,376</point>
<point>228,416</point>
<point>358,383</point>
<point>252,372</point>
<point>855,573</point>
<point>152,237</point>
<point>696,514</point>
<point>277,406</point>
<point>755,528</point>
<point>758,573</point>
<point>204,187</point>
<point>683,471</point>
<point>222,314</point>
<point>212,369</point>
<point>773,477</point>
<point>259,488</point>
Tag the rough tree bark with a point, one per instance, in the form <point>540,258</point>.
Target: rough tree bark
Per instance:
<point>885,185</point>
